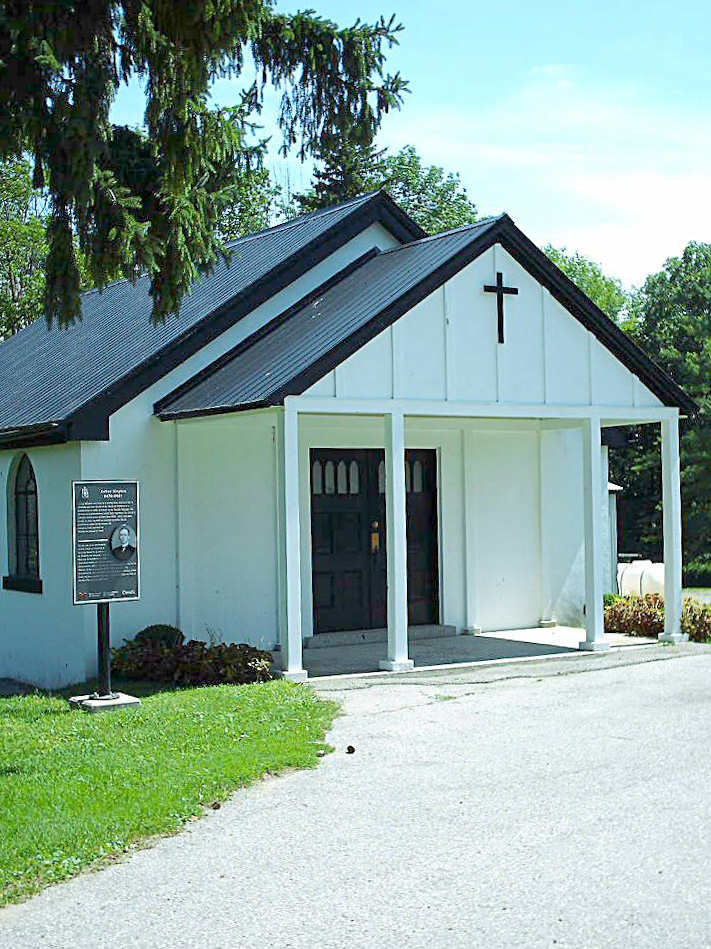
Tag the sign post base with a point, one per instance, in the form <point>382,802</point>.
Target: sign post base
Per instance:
<point>103,703</point>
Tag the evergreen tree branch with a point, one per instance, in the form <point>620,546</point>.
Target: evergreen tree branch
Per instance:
<point>60,67</point>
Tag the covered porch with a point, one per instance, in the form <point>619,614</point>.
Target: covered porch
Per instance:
<point>564,453</point>
<point>455,650</point>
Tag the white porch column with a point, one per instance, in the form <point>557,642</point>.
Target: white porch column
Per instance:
<point>291,649</point>
<point>473,625</point>
<point>396,518</point>
<point>594,493</point>
<point>671,506</point>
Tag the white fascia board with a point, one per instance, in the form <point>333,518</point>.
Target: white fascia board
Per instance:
<point>608,414</point>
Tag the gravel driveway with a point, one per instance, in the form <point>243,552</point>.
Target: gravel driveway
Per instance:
<point>553,803</point>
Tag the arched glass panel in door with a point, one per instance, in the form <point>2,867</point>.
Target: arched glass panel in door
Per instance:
<point>342,477</point>
<point>354,478</point>
<point>317,478</point>
<point>329,478</point>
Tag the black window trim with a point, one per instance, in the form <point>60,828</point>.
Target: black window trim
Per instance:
<point>22,584</point>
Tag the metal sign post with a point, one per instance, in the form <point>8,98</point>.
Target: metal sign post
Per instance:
<point>106,556</point>
<point>104,647</point>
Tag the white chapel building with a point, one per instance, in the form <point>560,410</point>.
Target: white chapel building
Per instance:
<point>351,426</point>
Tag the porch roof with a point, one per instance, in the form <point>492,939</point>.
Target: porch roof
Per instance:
<point>305,342</point>
<point>294,350</point>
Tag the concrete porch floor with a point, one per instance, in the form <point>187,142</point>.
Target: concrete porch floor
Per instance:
<point>503,644</point>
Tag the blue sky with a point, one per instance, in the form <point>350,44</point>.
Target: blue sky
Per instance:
<point>588,121</point>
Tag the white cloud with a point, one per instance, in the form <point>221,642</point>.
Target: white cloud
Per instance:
<point>598,168</point>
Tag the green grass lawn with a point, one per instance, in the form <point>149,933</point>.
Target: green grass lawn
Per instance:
<point>77,788</point>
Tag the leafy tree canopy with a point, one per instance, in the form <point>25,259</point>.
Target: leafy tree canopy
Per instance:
<point>60,67</point>
<point>23,248</point>
<point>670,317</point>
<point>436,199</point>
<point>252,208</point>
<point>607,292</point>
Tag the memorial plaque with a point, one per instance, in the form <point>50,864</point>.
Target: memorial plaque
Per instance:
<point>106,544</point>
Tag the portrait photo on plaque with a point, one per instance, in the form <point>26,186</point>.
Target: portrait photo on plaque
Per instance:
<point>123,542</point>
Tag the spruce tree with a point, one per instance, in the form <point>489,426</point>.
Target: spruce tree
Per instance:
<point>345,170</point>
<point>60,67</point>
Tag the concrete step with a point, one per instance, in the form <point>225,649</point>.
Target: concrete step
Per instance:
<point>354,637</point>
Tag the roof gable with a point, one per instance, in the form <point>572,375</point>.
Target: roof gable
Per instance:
<point>321,332</point>
<point>446,347</point>
<point>64,383</point>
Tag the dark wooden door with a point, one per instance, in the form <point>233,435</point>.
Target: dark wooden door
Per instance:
<point>341,503</point>
<point>349,552</point>
<point>422,567</point>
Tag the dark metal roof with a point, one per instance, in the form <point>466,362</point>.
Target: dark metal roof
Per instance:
<point>259,371</point>
<point>63,375</point>
<point>311,338</point>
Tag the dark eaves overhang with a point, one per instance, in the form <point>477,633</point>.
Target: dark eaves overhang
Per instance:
<point>30,436</point>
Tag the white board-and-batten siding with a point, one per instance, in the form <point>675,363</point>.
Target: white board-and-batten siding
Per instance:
<point>446,348</point>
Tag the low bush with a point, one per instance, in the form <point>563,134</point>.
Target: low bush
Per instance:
<point>696,620</point>
<point>192,663</point>
<point>644,616</point>
<point>160,633</point>
<point>636,615</point>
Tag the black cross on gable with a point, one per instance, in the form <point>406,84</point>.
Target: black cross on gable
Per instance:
<point>500,290</point>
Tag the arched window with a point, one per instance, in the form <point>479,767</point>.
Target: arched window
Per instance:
<point>26,525</point>
<point>24,534</point>
<point>418,478</point>
<point>381,478</point>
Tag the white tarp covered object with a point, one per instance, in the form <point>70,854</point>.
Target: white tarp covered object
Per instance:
<point>640,578</point>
